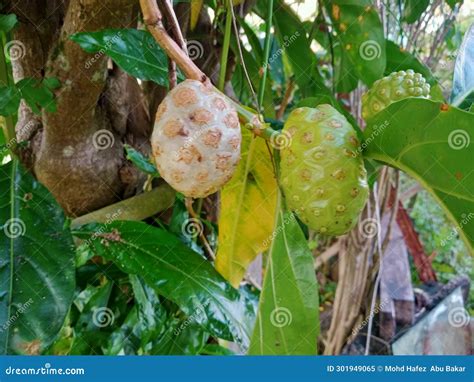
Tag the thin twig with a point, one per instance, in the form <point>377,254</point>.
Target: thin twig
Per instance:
<point>286,99</point>
<point>167,8</point>
<point>154,21</point>
<point>189,206</point>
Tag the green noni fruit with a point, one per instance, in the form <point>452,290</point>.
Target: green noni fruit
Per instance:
<point>394,87</point>
<point>322,172</point>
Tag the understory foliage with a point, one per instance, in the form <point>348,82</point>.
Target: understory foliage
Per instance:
<point>99,255</point>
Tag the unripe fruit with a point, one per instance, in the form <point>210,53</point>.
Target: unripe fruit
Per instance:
<point>322,173</point>
<point>395,87</point>
<point>196,139</point>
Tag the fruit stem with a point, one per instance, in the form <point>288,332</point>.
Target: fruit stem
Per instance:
<point>266,52</point>
<point>153,20</point>
<point>225,46</point>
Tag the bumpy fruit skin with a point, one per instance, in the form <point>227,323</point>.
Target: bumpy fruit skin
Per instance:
<point>394,87</point>
<point>196,139</point>
<point>322,173</point>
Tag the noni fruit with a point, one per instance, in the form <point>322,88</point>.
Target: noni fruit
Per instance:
<point>322,172</point>
<point>395,87</point>
<point>196,139</point>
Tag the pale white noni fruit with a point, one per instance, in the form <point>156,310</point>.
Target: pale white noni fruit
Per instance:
<point>196,139</point>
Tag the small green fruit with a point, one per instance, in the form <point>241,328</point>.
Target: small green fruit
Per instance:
<point>322,173</point>
<point>395,87</point>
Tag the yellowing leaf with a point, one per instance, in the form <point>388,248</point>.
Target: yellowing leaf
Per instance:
<point>248,204</point>
<point>196,6</point>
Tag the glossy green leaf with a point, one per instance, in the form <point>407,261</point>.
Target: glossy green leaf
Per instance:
<point>361,38</point>
<point>288,313</point>
<point>432,142</point>
<point>175,272</point>
<point>7,22</point>
<point>135,51</point>
<point>139,160</point>
<point>412,9</point>
<point>38,94</point>
<point>36,264</point>
<point>9,100</point>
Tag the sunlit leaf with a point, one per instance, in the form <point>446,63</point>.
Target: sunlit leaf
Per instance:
<point>245,229</point>
<point>432,142</point>
<point>288,313</point>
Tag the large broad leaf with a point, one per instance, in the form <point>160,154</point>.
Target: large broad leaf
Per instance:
<point>399,59</point>
<point>361,38</point>
<point>245,229</point>
<point>177,273</point>
<point>288,314</point>
<point>135,51</point>
<point>463,82</point>
<point>36,264</point>
<point>434,143</point>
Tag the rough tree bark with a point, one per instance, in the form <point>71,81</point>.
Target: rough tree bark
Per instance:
<point>94,104</point>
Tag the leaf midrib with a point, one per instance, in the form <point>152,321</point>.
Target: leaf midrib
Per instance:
<point>229,314</point>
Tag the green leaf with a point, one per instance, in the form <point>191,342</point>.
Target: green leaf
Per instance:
<point>433,143</point>
<point>135,51</point>
<point>294,47</point>
<point>412,9</point>
<point>177,273</point>
<point>38,94</point>
<point>36,264</point>
<point>7,22</point>
<point>288,314</point>
<point>9,100</point>
<point>139,160</point>
<point>361,38</point>
<point>245,230</point>
<point>399,59</point>
<point>463,81</point>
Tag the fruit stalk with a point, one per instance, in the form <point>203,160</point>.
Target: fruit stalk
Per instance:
<point>154,22</point>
